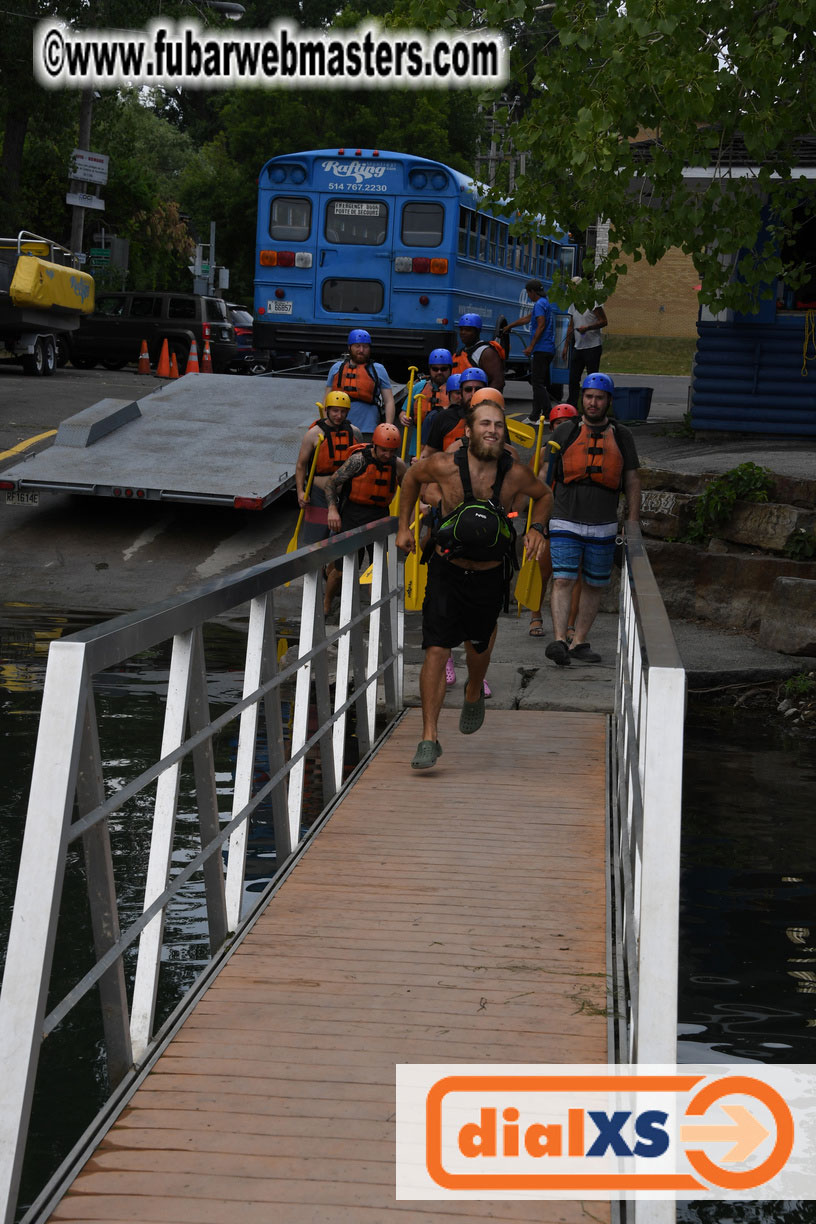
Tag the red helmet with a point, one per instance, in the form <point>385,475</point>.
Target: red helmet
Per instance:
<point>560,412</point>
<point>387,436</point>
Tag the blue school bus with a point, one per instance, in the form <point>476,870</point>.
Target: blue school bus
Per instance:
<point>399,245</point>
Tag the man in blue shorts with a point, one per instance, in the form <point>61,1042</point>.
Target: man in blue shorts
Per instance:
<point>598,461</point>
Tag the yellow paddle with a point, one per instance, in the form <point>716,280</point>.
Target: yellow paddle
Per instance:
<point>519,431</point>
<point>413,371</point>
<point>416,575</point>
<point>528,583</point>
<point>292,545</point>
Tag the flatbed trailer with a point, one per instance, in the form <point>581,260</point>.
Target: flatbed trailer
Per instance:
<point>209,438</point>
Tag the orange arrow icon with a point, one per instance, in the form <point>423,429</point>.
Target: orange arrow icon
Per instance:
<point>746,1134</point>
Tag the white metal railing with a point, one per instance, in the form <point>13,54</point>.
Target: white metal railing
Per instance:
<point>646,767</point>
<point>68,778</point>
<point>650,696</point>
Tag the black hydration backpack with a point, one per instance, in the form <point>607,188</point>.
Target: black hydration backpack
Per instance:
<point>476,529</point>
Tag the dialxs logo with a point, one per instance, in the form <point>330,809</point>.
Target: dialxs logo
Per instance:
<point>721,1131</point>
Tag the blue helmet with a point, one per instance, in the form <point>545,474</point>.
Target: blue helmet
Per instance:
<point>453,382</point>
<point>441,357</point>
<point>473,375</point>
<point>359,336</point>
<point>470,320</point>
<point>600,382</point>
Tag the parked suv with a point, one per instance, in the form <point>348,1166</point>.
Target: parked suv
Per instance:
<point>113,334</point>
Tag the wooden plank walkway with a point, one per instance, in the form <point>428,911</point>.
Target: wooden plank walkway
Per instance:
<point>456,915</point>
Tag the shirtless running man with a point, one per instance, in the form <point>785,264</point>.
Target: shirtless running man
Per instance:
<point>465,594</point>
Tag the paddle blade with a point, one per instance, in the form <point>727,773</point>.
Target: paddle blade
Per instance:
<point>528,585</point>
<point>520,432</point>
<point>416,576</point>
<point>367,576</point>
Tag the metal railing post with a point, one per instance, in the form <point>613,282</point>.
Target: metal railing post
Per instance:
<point>36,906</point>
<point>161,846</point>
<point>102,899</point>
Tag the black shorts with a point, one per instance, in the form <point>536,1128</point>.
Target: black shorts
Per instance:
<point>461,605</point>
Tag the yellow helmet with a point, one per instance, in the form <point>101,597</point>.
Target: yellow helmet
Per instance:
<point>337,399</point>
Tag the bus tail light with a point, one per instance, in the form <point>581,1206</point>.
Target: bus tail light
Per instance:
<point>424,299</point>
<point>280,293</point>
<point>421,263</point>
<point>268,259</point>
<point>403,263</point>
<point>286,259</point>
<point>439,266</point>
<point>303,259</point>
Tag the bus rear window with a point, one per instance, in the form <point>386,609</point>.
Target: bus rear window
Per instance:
<point>353,296</point>
<point>290,219</point>
<point>356,222</point>
<point>422,225</point>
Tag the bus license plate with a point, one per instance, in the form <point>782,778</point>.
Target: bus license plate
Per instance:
<point>22,499</point>
<point>279,307</point>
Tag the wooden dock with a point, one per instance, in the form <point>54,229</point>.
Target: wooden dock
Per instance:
<point>457,915</point>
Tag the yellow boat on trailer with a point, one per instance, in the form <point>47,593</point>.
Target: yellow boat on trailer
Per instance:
<point>43,294</point>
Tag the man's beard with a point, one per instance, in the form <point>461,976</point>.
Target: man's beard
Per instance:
<point>486,450</point>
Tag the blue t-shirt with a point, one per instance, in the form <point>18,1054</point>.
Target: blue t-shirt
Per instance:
<point>546,343</point>
<point>365,416</point>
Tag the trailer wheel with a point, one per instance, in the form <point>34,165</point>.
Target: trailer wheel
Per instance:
<point>34,363</point>
<point>49,355</point>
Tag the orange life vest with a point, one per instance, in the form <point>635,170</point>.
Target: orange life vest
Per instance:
<point>453,434</point>
<point>432,397</point>
<point>593,455</point>
<point>360,382</point>
<point>468,358</point>
<point>376,485</point>
<point>335,448</point>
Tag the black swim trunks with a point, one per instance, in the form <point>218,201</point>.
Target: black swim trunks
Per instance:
<point>461,605</point>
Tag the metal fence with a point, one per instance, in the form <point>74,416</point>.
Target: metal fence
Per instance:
<point>650,698</point>
<point>69,799</point>
<point>646,770</point>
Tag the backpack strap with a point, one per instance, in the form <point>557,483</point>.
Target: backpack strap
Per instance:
<point>503,466</point>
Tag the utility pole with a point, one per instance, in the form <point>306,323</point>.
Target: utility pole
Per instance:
<point>78,218</point>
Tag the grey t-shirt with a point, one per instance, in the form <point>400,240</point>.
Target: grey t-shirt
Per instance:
<point>586,501</point>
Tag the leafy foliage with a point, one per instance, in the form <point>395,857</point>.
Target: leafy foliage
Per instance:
<point>801,545</point>
<point>748,482</point>
<point>691,74</point>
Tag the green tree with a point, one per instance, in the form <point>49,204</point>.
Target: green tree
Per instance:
<point>695,74</point>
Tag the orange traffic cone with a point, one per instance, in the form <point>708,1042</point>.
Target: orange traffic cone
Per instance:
<point>192,360</point>
<point>206,359</point>
<point>173,366</point>
<point>144,359</point>
<point>163,368</point>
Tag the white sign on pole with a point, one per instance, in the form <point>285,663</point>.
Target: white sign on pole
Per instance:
<point>82,199</point>
<point>89,167</point>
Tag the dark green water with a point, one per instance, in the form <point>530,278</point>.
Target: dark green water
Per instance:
<point>748,917</point>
